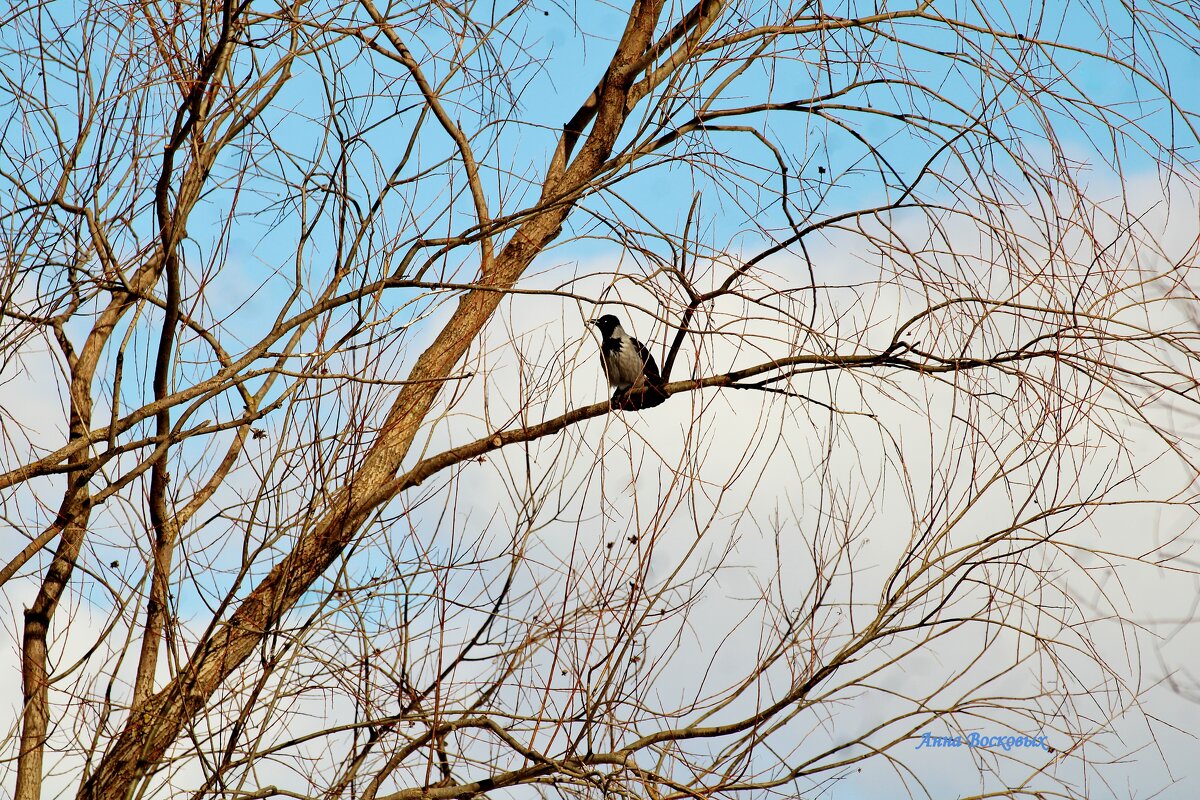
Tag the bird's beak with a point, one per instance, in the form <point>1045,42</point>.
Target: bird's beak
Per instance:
<point>592,321</point>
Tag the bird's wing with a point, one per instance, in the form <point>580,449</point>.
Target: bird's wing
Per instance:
<point>651,368</point>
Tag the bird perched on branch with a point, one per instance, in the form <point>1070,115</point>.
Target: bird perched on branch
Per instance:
<point>627,362</point>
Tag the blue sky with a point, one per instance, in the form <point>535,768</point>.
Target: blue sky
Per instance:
<point>830,171</point>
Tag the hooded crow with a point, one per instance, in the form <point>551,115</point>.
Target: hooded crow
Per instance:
<point>627,362</point>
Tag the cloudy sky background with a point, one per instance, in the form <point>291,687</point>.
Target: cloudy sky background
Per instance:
<point>790,456</point>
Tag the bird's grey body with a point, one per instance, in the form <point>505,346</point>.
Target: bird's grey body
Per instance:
<point>627,362</point>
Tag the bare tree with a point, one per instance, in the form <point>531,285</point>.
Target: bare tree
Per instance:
<point>316,486</point>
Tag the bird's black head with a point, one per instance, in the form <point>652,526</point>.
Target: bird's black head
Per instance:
<point>606,324</point>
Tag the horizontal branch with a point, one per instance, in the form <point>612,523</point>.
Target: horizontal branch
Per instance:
<point>891,357</point>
